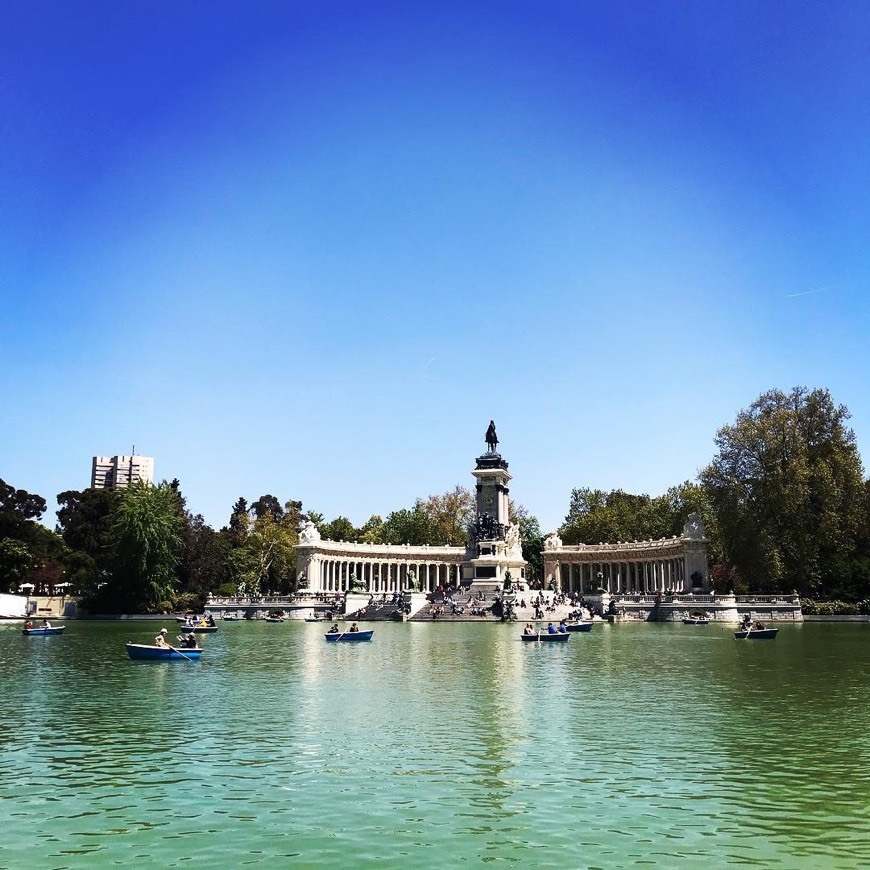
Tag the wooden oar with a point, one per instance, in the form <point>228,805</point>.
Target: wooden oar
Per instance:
<point>180,653</point>
<point>748,630</point>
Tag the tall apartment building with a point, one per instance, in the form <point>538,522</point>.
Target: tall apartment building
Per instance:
<point>109,472</point>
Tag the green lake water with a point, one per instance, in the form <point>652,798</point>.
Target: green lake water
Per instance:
<point>436,746</point>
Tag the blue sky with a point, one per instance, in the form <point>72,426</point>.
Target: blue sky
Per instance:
<point>310,249</point>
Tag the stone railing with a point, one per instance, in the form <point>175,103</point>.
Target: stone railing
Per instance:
<point>259,600</point>
<point>769,599</point>
<point>387,551</point>
<point>606,549</point>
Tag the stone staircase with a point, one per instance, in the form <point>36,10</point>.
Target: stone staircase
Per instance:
<point>465,605</point>
<point>379,612</point>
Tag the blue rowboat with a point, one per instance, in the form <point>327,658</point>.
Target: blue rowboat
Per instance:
<point>756,634</point>
<point>150,652</point>
<point>578,626</point>
<point>42,632</point>
<point>546,637</point>
<point>696,621</point>
<point>334,636</point>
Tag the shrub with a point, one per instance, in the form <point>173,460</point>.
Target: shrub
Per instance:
<point>811,607</point>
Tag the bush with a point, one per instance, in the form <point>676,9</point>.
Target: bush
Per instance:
<point>811,607</point>
<point>188,601</point>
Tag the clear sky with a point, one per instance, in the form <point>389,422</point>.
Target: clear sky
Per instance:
<point>310,249</point>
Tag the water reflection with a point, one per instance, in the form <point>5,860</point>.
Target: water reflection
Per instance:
<point>632,744</point>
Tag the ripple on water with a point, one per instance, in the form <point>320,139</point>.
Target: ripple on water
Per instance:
<point>434,744</point>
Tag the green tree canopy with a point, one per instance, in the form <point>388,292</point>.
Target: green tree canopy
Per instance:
<point>147,546</point>
<point>84,520</point>
<point>597,517</point>
<point>787,488</point>
<point>16,563</point>
<point>447,516</point>
<point>339,529</point>
<point>18,508</point>
<point>267,504</point>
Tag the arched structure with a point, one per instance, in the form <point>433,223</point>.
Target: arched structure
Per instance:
<point>333,566</point>
<point>677,564</point>
<point>494,548</point>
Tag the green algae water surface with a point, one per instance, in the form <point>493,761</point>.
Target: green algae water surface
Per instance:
<point>436,746</point>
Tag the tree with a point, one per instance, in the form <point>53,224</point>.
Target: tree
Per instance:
<point>787,488</point>
<point>532,539</point>
<point>372,531</point>
<point>237,531</point>
<point>267,504</point>
<point>84,520</point>
<point>18,510</point>
<point>203,566</point>
<point>407,527</point>
<point>16,563</point>
<point>340,529</point>
<point>598,517</point>
<point>147,542</point>
<point>267,561</point>
<point>448,516</point>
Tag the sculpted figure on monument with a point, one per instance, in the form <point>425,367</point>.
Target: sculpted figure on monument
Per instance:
<point>486,527</point>
<point>309,533</point>
<point>694,527</point>
<point>552,542</point>
<point>512,540</point>
<point>491,438</point>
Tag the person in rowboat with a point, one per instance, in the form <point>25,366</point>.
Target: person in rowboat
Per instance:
<point>333,629</point>
<point>529,629</point>
<point>188,641</point>
<point>354,627</point>
<point>45,624</point>
<point>160,640</point>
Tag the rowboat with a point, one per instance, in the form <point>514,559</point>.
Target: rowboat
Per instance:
<point>696,620</point>
<point>756,634</point>
<point>334,636</point>
<point>578,626</point>
<point>198,629</point>
<point>545,637</point>
<point>161,653</point>
<point>273,619</point>
<point>42,632</point>
<point>315,619</point>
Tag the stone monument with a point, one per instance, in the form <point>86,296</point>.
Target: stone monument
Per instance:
<point>494,545</point>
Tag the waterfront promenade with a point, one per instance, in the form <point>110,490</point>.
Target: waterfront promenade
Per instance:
<point>652,608</point>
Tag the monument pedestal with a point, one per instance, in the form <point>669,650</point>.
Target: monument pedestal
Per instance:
<point>494,545</point>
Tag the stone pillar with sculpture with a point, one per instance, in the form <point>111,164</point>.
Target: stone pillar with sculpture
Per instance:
<point>696,575</point>
<point>494,544</point>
